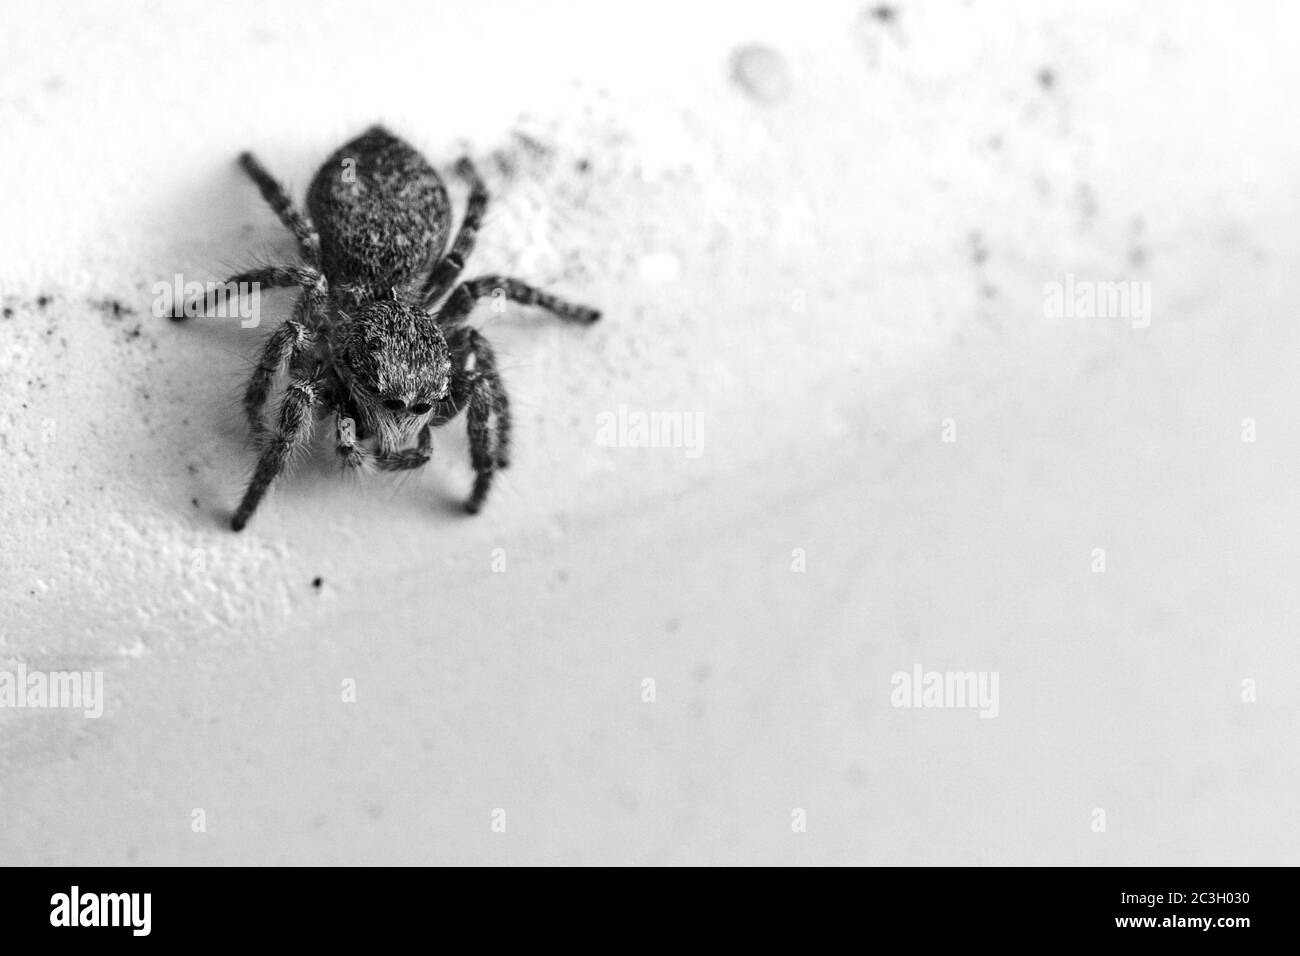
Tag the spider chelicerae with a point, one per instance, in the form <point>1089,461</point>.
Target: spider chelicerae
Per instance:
<point>375,339</point>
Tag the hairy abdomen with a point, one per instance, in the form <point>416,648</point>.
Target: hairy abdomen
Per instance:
<point>381,210</point>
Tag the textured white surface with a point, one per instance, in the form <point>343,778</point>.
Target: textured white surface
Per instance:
<point>825,263</point>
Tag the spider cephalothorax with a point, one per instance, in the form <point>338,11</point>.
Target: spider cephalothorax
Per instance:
<point>375,339</point>
<point>396,364</point>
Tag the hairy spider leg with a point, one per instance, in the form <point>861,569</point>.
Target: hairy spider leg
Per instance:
<point>409,458</point>
<point>487,418</point>
<point>449,268</point>
<point>267,277</point>
<point>345,441</point>
<point>285,345</point>
<point>292,432</point>
<point>461,302</point>
<point>278,199</point>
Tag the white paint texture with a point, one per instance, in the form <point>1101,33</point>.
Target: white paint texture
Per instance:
<point>825,267</point>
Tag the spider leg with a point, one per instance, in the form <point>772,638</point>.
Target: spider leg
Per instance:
<point>296,222</point>
<point>447,269</point>
<point>354,456</point>
<point>294,428</point>
<point>462,301</point>
<point>285,344</point>
<point>409,458</point>
<point>485,364</point>
<point>488,415</point>
<point>346,445</point>
<point>270,277</point>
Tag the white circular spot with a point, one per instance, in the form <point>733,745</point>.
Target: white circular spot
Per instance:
<point>761,72</point>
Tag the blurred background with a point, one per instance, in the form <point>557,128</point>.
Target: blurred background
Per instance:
<point>827,235</point>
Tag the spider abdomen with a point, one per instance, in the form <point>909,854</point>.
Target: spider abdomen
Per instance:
<point>381,210</point>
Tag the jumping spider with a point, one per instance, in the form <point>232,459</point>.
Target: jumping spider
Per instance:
<point>368,340</point>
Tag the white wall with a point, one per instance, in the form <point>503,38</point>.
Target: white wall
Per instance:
<point>825,277</point>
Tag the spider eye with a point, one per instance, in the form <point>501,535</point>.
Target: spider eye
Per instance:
<point>421,407</point>
<point>394,404</point>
